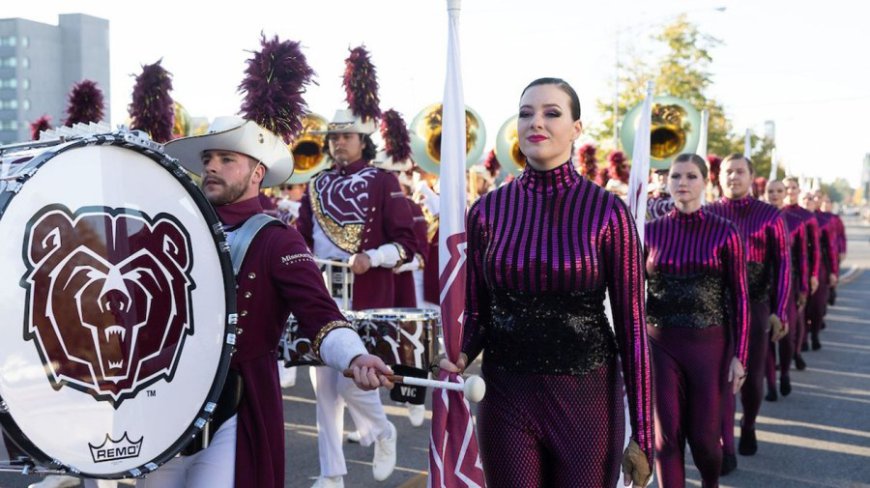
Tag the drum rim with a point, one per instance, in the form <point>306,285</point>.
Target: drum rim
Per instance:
<point>8,423</point>
<point>408,313</point>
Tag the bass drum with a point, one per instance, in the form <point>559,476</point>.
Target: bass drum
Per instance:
<point>118,302</point>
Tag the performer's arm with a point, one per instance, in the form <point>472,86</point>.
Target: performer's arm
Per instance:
<point>398,226</point>
<point>734,260</point>
<point>305,222</point>
<point>300,283</point>
<point>477,308</point>
<point>778,240</point>
<point>623,269</point>
<point>803,258</point>
<point>813,246</point>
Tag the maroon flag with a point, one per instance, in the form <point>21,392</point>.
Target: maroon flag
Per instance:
<point>453,456</point>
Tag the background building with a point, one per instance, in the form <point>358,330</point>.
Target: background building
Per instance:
<point>39,63</point>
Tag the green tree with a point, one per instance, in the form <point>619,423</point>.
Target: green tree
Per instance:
<point>682,70</point>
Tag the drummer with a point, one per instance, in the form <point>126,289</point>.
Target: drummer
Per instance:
<point>235,158</point>
<point>357,213</point>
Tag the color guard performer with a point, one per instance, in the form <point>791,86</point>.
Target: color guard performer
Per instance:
<point>768,276</point>
<point>698,323</point>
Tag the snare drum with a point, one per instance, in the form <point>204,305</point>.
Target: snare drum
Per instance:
<point>405,336</point>
<point>295,349</point>
<point>117,337</point>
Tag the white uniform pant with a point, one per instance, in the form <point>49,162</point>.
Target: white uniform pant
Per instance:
<point>334,391</point>
<point>213,467</point>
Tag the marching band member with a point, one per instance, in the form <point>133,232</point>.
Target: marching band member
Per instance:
<point>698,322</point>
<point>829,267</point>
<point>542,251</point>
<point>769,271</point>
<point>797,297</point>
<point>357,213</point>
<point>659,202</point>
<point>811,225</point>
<point>840,233</point>
<point>277,277</point>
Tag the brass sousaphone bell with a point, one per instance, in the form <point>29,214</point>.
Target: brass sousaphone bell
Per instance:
<point>674,129</point>
<point>507,148</point>
<point>308,156</point>
<point>425,132</point>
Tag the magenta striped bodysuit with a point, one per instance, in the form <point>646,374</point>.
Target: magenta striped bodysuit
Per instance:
<point>814,258</point>
<point>542,250</point>
<point>697,319</point>
<point>768,276</point>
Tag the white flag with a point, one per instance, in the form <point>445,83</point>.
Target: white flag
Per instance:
<point>774,165</point>
<point>747,144</point>
<point>639,178</point>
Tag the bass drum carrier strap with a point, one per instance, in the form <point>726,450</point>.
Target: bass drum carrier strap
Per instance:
<point>234,387</point>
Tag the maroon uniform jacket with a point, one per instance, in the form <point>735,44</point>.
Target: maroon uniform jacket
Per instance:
<point>277,277</point>
<point>406,289</point>
<point>362,209</point>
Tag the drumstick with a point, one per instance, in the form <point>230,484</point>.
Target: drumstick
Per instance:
<point>474,387</point>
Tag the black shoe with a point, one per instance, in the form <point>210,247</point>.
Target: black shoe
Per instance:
<point>729,463</point>
<point>748,445</point>
<point>799,363</point>
<point>816,343</point>
<point>785,385</point>
<point>771,395</point>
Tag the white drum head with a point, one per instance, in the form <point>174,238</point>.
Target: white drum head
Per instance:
<point>115,297</point>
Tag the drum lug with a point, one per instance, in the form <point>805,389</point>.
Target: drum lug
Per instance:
<point>210,406</point>
<point>231,339</point>
<point>138,138</point>
<point>233,319</point>
<point>4,408</point>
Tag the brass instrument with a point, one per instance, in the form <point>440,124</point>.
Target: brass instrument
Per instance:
<point>674,129</point>
<point>507,148</point>
<point>308,156</point>
<point>425,131</point>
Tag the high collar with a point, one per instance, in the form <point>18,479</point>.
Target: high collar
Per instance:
<point>737,203</point>
<point>552,181</point>
<point>349,169</point>
<point>696,216</point>
<point>233,214</point>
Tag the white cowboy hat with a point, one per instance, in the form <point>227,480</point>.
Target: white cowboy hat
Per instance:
<point>345,122</point>
<point>238,135</point>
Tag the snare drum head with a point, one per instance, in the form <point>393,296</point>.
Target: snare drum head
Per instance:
<point>115,299</point>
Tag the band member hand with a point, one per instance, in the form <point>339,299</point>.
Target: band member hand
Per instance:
<point>736,375</point>
<point>368,371</point>
<point>814,285</point>
<point>360,263</point>
<point>441,362</point>
<point>833,279</point>
<point>777,327</point>
<point>801,300</point>
<point>636,469</point>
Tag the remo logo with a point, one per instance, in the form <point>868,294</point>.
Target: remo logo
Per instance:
<point>108,297</point>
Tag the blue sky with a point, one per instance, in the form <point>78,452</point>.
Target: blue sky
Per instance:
<point>805,68</point>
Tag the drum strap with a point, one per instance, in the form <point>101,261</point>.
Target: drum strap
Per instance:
<point>231,395</point>
<point>244,236</point>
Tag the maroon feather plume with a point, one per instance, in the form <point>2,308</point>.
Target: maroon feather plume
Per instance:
<point>361,85</point>
<point>715,163</point>
<point>491,163</point>
<point>618,170</point>
<point>397,142</point>
<point>152,110</point>
<point>587,164</point>
<point>37,126</point>
<point>85,103</point>
<point>274,83</point>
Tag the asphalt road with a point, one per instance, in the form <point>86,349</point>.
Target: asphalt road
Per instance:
<point>817,437</point>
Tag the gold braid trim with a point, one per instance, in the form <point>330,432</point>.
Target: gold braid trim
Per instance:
<point>329,327</point>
